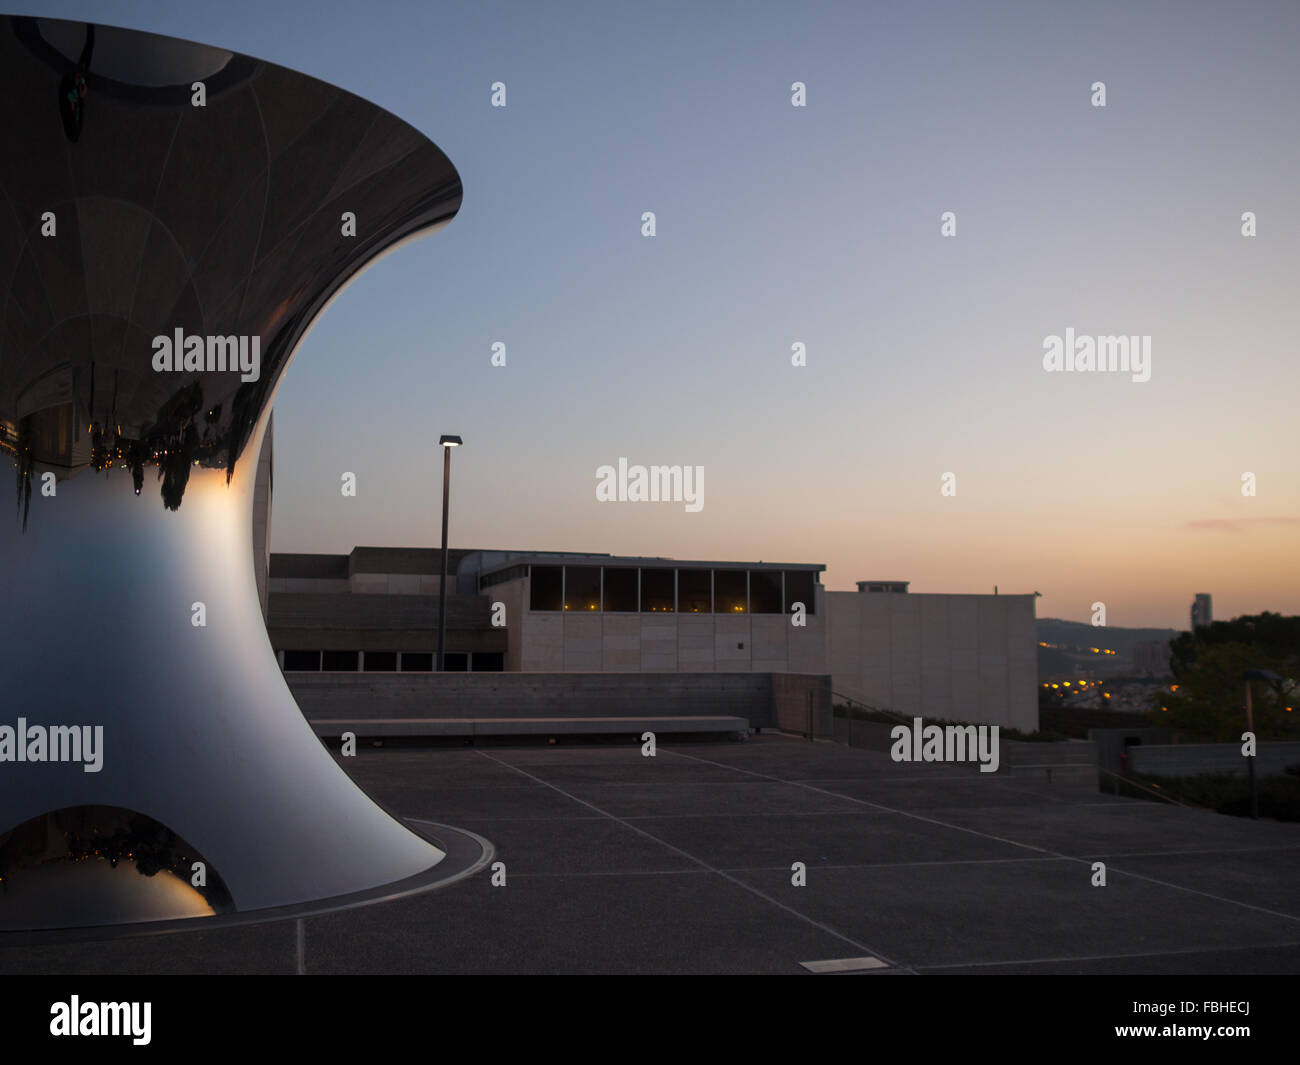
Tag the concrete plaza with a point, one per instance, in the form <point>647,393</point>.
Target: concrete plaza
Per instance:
<point>618,863</point>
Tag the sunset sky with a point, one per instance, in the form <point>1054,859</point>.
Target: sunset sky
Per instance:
<point>821,224</point>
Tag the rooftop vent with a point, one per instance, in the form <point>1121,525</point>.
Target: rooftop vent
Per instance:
<point>883,586</point>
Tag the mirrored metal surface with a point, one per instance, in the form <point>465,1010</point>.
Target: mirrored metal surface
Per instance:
<point>101,865</point>
<point>140,229</point>
<point>132,221</point>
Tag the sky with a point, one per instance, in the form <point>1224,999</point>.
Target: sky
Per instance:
<point>818,225</point>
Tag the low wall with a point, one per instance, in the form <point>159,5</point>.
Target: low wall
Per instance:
<point>767,700</point>
<point>801,699</point>
<point>1192,759</point>
<point>1074,759</point>
<point>1113,743</point>
<point>868,735</point>
<point>1066,760</point>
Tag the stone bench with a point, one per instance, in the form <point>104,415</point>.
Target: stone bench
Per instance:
<point>332,728</point>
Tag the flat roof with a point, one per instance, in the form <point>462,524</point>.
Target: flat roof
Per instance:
<point>316,567</point>
<point>421,560</point>
<point>648,561</point>
<point>428,560</point>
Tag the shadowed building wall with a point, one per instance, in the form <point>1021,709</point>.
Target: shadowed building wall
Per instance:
<point>959,657</point>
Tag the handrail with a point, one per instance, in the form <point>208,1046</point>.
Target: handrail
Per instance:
<point>868,706</point>
<point>1142,787</point>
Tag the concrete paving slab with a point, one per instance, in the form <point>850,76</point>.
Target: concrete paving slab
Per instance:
<point>791,758</point>
<point>673,923</point>
<point>579,754</point>
<point>1266,878</point>
<point>638,799</point>
<point>1246,961</point>
<point>1017,911</point>
<point>1136,826</point>
<point>453,805</point>
<point>617,863</point>
<point>656,772</point>
<point>767,841</point>
<point>557,848</point>
<point>436,768</point>
<point>915,793</point>
<point>263,949</point>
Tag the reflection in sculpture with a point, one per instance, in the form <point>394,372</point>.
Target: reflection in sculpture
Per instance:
<point>107,864</point>
<point>134,208</point>
<point>132,214</point>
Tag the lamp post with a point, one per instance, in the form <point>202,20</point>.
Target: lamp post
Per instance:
<point>447,443</point>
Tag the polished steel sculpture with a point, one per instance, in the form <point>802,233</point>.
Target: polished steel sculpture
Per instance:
<point>173,217</point>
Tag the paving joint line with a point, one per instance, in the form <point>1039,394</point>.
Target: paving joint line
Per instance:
<point>781,868</point>
<point>1107,957</point>
<point>705,865</point>
<point>1014,843</point>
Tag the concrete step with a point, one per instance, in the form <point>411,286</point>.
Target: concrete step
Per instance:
<point>1053,772</point>
<point>332,728</point>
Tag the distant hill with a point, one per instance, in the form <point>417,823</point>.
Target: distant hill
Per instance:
<point>1071,644</point>
<point>1051,662</point>
<point>1067,634</point>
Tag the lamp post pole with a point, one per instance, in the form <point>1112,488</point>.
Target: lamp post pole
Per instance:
<point>442,584</point>
<point>447,443</point>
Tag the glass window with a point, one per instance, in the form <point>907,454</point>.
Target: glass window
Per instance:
<point>381,661</point>
<point>695,591</point>
<point>488,662</point>
<point>455,662</point>
<point>729,591</point>
<point>799,588</point>
<point>417,661</point>
<point>657,593</point>
<point>582,588</point>
<point>764,591</point>
<point>620,590</point>
<point>544,588</point>
<point>302,661</point>
<point>339,661</point>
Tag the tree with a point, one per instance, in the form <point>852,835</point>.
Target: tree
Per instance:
<point>1272,635</point>
<point>1207,699</point>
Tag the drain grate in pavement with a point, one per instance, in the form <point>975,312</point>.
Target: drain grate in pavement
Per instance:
<point>844,965</point>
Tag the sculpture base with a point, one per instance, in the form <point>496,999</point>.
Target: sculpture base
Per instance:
<point>465,854</point>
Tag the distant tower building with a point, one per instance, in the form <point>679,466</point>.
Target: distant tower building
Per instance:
<point>1202,612</point>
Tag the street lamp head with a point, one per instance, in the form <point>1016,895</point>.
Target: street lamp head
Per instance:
<point>450,441</point>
